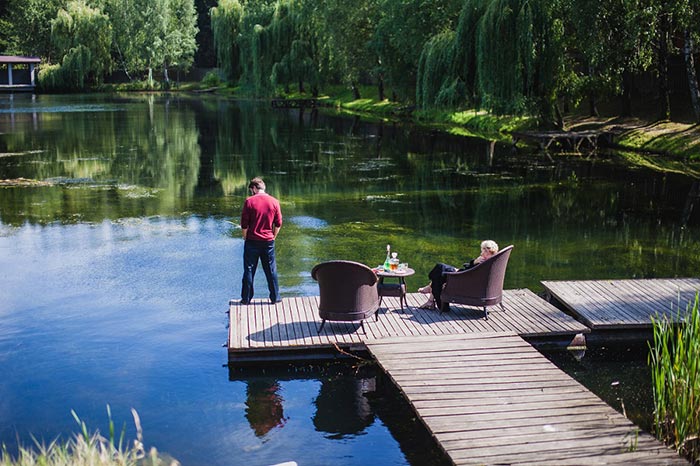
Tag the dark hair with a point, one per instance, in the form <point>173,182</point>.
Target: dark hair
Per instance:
<point>256,182</point>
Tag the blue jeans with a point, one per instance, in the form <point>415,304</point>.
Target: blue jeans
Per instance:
<point>264,251</point>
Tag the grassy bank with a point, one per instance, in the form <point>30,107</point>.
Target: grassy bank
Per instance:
<point>463,123</point>
<point>678,140</point>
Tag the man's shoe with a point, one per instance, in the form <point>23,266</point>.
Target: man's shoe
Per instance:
<point>244,303</point>
<point>276,302</point>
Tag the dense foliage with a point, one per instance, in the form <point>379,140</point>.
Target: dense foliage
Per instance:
<point>505,56</point>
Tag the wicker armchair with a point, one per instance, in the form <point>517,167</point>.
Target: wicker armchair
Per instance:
<point>348,292</point>
<point>481,285</point>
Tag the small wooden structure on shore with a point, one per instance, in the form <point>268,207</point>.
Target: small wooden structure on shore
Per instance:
<point>572,140</point>
<point>18,74</point>
<point>295,103</point>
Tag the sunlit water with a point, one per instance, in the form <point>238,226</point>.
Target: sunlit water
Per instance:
<point>115,277</point>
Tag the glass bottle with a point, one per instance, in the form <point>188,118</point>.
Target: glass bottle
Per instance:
<point>388,257</point>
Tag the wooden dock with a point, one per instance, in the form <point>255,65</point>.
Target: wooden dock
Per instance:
<point>623,304</point>
<point>491,398</point>
<point>289,330</point>
<point>572,140</point>
<point>479,386</point>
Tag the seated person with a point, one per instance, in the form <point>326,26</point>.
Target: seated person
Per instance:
<point>437,275</point>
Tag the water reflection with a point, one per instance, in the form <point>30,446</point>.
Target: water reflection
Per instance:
<point>349,405</point>
<point>342,407</point>
<point>264,406</point>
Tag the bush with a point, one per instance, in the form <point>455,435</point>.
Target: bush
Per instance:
<point>211,79</point>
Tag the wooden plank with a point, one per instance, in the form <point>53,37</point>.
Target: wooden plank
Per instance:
<point>591,314</point>
<point>531,321</point>
<point>302,323</point>
<point>607,311</point>
<point>551,317</point>
<point>300,328</point>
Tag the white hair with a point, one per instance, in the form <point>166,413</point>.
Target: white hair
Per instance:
<point>490,246</point>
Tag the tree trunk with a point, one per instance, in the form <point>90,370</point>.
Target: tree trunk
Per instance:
<point>592,106</point>
<point>626,93</point>
<point>355,91</point>
<point>690,71</point>
<point>664,97</point>
<point>559,117</point>
<point>381,87</point>
<point>301,86</point>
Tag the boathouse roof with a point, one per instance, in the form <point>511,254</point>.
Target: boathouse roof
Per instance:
<point>18,59</point>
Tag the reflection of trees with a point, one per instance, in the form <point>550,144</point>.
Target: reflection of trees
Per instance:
<point>107,157</point>
<point>264,406</point>
<point>342,407</point>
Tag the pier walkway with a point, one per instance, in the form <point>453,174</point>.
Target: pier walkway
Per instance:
<point>493,399</point>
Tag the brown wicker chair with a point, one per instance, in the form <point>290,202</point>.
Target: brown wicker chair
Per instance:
<point>348,292</point>
<point>481,286</point>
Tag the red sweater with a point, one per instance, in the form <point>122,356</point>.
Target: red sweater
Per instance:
<point>261,213</point>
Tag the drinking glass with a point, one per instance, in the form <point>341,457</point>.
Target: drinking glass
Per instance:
<point>393,265</point>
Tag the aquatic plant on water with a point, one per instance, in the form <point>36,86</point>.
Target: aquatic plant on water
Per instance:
<point>675,367</point>
<point>85,449</point>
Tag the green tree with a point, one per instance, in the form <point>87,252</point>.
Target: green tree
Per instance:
<point>128,24</point>
<point>153,34</point>
<point>402,28</point>
<point>517,58</point>
<point>226,24</point>
<point>31,26</point>
<point>82,36</point>
<point>179,45</point>
<point>251,42</point>
<point>605,42</point>
<point>348,30</point>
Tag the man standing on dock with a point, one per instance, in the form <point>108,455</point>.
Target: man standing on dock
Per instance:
<point>261,220</point>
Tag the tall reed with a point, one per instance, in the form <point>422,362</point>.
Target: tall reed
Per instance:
<point>675,368</point>
<point>85,449</point>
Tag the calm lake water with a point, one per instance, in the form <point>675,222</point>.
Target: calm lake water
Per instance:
<point>115,276</point>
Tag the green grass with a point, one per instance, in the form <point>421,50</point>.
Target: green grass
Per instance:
<point>85,449</point>
<point>682,140</point>
<point>675,366</point>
